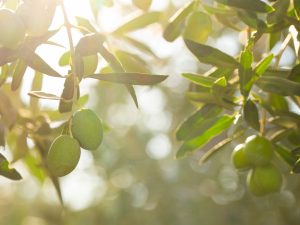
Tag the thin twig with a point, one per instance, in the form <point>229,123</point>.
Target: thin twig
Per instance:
<point>282,49</point>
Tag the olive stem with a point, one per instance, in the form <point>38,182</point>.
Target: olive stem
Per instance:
<point>72,48</point>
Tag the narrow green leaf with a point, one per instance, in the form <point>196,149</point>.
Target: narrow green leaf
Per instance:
<point>218,10</point>
<point>283,73</point>
<point>37,63</point>
<point>253,5</point>
<point>117,67</point>
<point>245,71</point>
<point>296,167</point>
<point>251,115</point>
<point>295,74</point>
<point>200,79</point>
<point>263,65</point>
<point>129,78</point>
<point>5,171</point>
<point>18,74</point>
<point>139,45</point>
<point>7,55</point>
<point>2,135</point>
<point>278,103</point>
<point>174,27</point>
<point>132,62</point>
<point>83,22</point>
<point>210,55</point>
<point>285,154</point>
<point>278,85</point>
<point>193,122</point>
<point>211,152</point>
<point>221,124</point>
<point>44,95</point>
<point>139,22</point>
<point>203,97</point>
<point>64,59</point>
<point>251,19</point>
<point>297,7</point>
<point>4,74</point>
<point>37,84</point>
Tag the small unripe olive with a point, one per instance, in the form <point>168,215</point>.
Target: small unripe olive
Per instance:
<point>90,64</point>
<point>264,180</point>
<point>258,150</point>
<point>63,155</point>
<point>142,4</point>
<point>238,158</point>
<point>37,16</point>
<point>198,27</point>
<point>86,127</point>
<point>12,29</point>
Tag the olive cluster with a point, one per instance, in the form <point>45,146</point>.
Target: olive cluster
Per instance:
<point>64,153</point>
<point>255,155</point>
<point>32,18</point>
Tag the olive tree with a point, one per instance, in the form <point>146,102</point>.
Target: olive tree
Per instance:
<point>249,99</point>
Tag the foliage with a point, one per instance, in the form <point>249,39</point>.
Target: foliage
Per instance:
<point>236,95</point>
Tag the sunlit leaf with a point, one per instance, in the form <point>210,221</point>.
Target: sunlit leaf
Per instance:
<point>200,80</point>
<point>221,124</point>
<point>285,154</point>
<point>129,78</point>
<point>253,5</point>
<point>7,55</point>
<point>139,22</point>
<point>64,60</point>
<point>2,135</point>
<point>245,71</point>
<point>83,22</point>
<point>209,55</point>
<point>263,65</point>
<point>37,63</point>
<point>193,122</point>
<point>132,62</point>
<point>174,27</point>
<point>18,74</point>
<point>211,152</point>
<point>117,67</point>
<point>37,84</point>
<point>3,74</point>
<point>251,114</point>
<point>44,95</point>
<point>278,85</point>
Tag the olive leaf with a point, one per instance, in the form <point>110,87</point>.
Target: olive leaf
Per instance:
<point>5,171</point>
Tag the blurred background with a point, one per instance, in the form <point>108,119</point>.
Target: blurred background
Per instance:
<point>134,178</point>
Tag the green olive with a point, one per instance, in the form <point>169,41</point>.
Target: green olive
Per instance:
<point>90,64</point>
<point>63,155</point>
<point>37,16</point>
<point>198,27</point>
<point>12,29</point>
<point>238,158</point>
<point>264,180</point>
<point>258,150</point>
<point>86,127</point>
<point>142,4</point>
